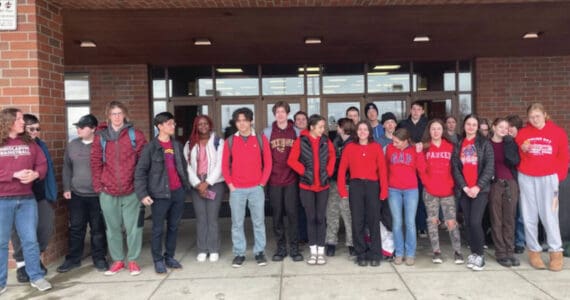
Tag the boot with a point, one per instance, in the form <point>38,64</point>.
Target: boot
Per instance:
<point>294,252</point>
<point>535,260</point>
<point>313,258</point>
<point>280,253</point>
<point>331,249</point>
<point>321,256</point>
<point>556,261</point>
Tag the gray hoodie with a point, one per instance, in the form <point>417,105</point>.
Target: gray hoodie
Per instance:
<point>77,169</point>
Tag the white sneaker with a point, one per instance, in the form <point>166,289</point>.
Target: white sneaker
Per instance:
<point>3,290</point>
<point>471,261</point>
<point>201,257</point>
<point>41,284</point>
<point>214,257</point>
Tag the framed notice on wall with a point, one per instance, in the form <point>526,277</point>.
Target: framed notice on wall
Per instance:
<point>8,15</point>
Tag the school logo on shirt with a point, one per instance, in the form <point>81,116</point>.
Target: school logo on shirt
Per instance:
<point>540,146</point>
<point>469,155</point>
<point>281,144</point>
<point>401,158</point>
<point>438,155</point>
<point>15,151</point>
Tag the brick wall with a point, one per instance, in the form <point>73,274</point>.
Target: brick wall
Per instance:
<point>508,85</point>
<point>125,83</point>
<point>31,78</point>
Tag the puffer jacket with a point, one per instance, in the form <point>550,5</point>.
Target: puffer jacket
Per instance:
<point>485,165</point>
<point>116,175</point>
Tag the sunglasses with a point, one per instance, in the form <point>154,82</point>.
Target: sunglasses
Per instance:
<point>32,129</point>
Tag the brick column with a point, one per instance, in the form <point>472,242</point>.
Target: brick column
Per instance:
<point>31,78</point>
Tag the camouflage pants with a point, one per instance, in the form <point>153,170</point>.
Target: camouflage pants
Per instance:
<point>448,207</point>
<point>337,208</point>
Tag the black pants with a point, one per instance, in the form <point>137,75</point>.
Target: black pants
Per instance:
<point>473,210</point>
<point>83,211</point>
<point>302,222</point>
<point>315,204</point>
<point>284,200</point>
<point>365,208</point>
<point>169,210</point>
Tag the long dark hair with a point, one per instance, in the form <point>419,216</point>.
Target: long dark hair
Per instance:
<point>314,120</point>
<point>470,116</point>
<point>356,139</point>
<point>426,138</point>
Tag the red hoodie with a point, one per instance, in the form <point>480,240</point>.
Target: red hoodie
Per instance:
<point>402,167</point>
<point>363,162</point>
<point>16,155</point>
<point>246,170</point>
<point>298,167</point>
<point>548,152</point>
<point>434,167</point>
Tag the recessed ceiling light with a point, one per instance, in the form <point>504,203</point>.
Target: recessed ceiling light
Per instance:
<point>313,40</point>
<point>202,42</point>
<point>309,69</point>
<point>421,39</point>
<point>87,44</point>
<point>532,35</point>
<point>387,67</point>
<point>377,73</point>
<point>229,70</point>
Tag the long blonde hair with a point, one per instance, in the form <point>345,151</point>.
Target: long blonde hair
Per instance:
<point>540,107</point>
<point>7,119</point>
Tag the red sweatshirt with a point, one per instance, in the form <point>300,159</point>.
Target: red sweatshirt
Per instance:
<point>298,167</point>
<point>548,153</point>
<point>402,166</point>
<point>246,169</point>
<point>15,155</point>
<point>363,162</point>
<point>434,167</point>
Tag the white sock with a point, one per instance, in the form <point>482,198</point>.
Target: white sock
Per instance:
<point>20,264</point>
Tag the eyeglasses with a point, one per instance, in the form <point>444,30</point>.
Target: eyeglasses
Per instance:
<point>32,129</point>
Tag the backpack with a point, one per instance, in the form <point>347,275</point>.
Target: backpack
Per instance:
<point>132,136</point>
<point>216,142</point>
<point>230,142</point>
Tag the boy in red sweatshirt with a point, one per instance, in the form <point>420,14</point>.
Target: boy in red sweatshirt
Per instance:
<point>246,166</point>
<point>543,148</point>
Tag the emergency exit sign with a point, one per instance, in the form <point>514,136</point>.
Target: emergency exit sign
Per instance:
<point>8,15</point>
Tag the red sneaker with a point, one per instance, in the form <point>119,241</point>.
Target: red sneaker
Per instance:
<point>134,268</point>
<point>116,267</point>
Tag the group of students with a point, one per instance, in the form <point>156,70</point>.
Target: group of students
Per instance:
<point>371,175</point>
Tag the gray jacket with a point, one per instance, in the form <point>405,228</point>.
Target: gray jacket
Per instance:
<point>77,169</point>
<point>151,175</point>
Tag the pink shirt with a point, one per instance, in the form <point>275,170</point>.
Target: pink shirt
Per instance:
<point>202,161</point>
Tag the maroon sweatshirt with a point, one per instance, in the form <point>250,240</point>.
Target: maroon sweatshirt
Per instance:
<point>280,142</point>
<point>16,155</point>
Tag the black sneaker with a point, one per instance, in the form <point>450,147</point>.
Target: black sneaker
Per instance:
<point>260,259</point>
<point>351,251</point>
<point>159,267</point>
<point>101,265</point>
<point>238,261</point>
<point>515,262</point>
<point>21,275</point>
<point>296,256</point>
<point>375,263</point>
<point>172,263</point>
<point>67,266</point>
<point>437,258</point>
<point>330,250</point>
<point>505,262</point>
<point>519,249</point>
<point>279,255</point>
<point>361,262</point>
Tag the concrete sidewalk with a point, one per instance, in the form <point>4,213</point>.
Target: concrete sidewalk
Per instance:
<point>340,278</point>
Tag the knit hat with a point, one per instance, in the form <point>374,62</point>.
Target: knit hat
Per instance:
<point>368,107</point>
<point>388,116</point>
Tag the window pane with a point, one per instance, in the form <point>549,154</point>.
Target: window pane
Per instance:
<point>237,81</point>
<point>191,81</point>
<point>465,105</point>
<point>76,87</point>
<point>337,110</point>
<point>313,84</point>
<point>74,113</point>
<point>343,79</point>
<point>313,106</point>
<point>397,107</point>
<point>389,78</point>
<point>295,107</point>
<point>158,107</point>
<point>282,80</point>
<point>434,76</point>
<point>465,76</point>
<point>228,109</point>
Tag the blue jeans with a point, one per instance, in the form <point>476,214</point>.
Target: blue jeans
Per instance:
<point>406,200</point>
<point>23,213</point>
<point>254,199</point>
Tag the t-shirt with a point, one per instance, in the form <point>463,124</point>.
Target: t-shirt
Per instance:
<point>501,170</point>
<point>170,164</point>
<point>202,161</point>
<point>468,156</point>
